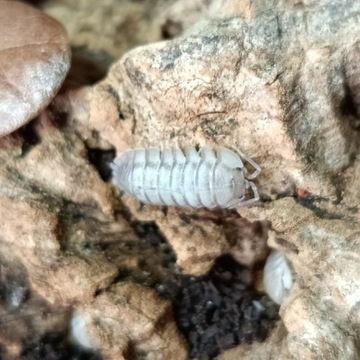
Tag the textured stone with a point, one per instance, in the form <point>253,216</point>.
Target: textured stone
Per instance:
<point>324,253</point>
<point>42,202</point>
<point>127,312</point>
<point>111,28</point>
<point>277,80</point>
<point>22,319</point>
<point>62,226</point>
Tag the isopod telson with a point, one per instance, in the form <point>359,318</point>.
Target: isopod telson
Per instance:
<point>197,179</point>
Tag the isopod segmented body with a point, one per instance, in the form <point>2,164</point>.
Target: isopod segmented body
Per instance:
<point>198,178</point>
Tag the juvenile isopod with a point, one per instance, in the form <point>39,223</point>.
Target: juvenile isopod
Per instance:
<point>278,277</point>
<point>198,178</point>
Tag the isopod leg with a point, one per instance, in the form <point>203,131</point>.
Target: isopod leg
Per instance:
<point>242,203</point>
<point>253,164</point>
<point>257,169</point>
<point>255,191</point>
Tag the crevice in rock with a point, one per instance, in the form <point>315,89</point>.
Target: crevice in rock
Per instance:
<point>36,3</point>
<point>309,202</point>
<point>56,346</point>
<point>171,29</point>
<point>73,218</point>
<point>149,231</point>
<point>87,67</point>
<point>111,91</point>
<point>346,110</point>
<point>347,106</point>
<point>130,352</point>
<point>30,136</point>
<point>59,119</point>
<point>101,159</point>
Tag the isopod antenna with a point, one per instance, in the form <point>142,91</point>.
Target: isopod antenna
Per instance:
<point>253,164</point>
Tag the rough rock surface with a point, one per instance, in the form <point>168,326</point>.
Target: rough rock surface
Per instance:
<point>69,233</point>
<point>115,321</point>
<point>34,60</point>
<point>113,28</point>
<point>322,307</point>
<point>277,80</point>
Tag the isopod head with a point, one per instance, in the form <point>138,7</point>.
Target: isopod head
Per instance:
<point>239,188</point>
<point>228,185</point>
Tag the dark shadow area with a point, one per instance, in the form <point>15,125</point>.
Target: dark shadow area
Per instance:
<point>101,159</point>
<point>30,136</point>
<point>220,310</point>
<point>56,346</point>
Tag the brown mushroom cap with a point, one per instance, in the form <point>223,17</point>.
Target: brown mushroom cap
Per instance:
<point>34,60</point>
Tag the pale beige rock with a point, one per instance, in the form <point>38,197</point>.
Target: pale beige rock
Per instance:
<point>277,80</point>
<point>130,320</point>
<point>247,241</point>
<point>351,194</point>
<point>43,193</point>
<point>167,89</point>
<point>61,223</point>
<point>111,28</point>
<point>324,254</point>
<point>267,350</point>
<point>40,167</point>
<point>198,238</point>
<point>34,60</point>
<point>22,319</point>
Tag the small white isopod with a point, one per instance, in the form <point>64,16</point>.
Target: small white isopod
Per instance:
<point>78,331</point>
<point>196,179</point>
<point>278,277</point>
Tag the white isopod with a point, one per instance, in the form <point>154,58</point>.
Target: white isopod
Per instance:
<point>278,277</point>
<point>197,179</point>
